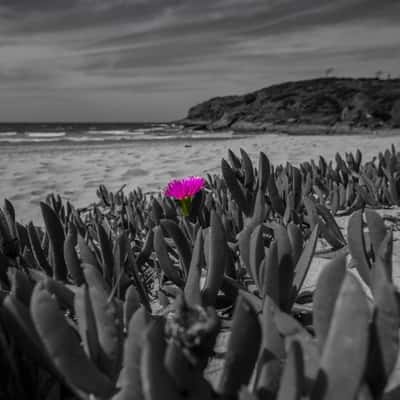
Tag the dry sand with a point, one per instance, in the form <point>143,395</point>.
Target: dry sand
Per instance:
<point>30,172</point>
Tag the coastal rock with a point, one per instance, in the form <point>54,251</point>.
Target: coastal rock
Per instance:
<point>224,122</point>
<point>247,126</point>
<point>332,105</point>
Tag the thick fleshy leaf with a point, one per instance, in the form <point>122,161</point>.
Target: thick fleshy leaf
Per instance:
<point>63,294</point>
<point>180,367</point>
<point>71,258</point>
<point>18,319</point>
<point>108,318</point>
<point>286,267</point>
<point>376,228</point>
<point>9,213</point>
<point>160,247</point>
<point>87,323</point>
<point>292,331</point>
<point>330,222</point>
<point>21,285</point>
<point>244,245</point>
<point>181,243</point>
<point>246,394</point>
<point>257,254</point>
<point>355,238</point>
<point>348,339</point>
<point>260,209</point>
<point>235,187</point>
<point>384,346</point>
<point>263,172</point>
<point>106,252</point>
<point>296,241</point>
<point>156,383</point>
<point>37,250</point>
<point>217,257</point>
<point>270,278</point>
<point>8,238</point>
<point>192,287</point>
<point>304,262</point>
<point>277,203</point>
<point>234,159</point>
<point>146,249</point>
<point>247,169</point>
<point>22,236</point>
<point>131,304</point>
<point>129,381</point>
<point>157,211</point>
<point>56,236</point>
<point>292,384</point>
<point>384,258</point>
<point>63,346</point>
<point>139,284</point>
<point>272,352</point>
<point>94,277</point>
<point>328,286</point>
<point>86,254</point>
<point>242,350</point>
<point>120,257</point>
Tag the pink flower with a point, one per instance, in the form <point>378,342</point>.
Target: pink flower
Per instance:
<point>185,188</point>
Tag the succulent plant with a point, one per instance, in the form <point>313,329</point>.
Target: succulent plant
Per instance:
<point>126,299</point>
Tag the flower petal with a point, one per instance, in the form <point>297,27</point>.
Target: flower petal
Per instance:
<point>186,187</point>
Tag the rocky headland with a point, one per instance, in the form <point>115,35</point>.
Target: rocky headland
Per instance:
<point>317,106</point>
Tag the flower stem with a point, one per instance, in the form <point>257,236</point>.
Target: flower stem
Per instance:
<point>185,205</point>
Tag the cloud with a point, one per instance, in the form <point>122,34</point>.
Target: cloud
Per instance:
<point>181,50</point>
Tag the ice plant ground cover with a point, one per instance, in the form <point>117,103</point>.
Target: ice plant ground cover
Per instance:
<point>127,298</point>
<point>184,190</point>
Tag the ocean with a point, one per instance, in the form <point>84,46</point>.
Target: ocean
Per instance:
<point>72,160</point>
<point>85,133</point>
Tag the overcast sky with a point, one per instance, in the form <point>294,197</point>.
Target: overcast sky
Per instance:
<point>137,60</point>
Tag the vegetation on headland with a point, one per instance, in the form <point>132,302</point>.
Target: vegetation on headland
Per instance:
<point>325,105</point>
<point>125,299</point>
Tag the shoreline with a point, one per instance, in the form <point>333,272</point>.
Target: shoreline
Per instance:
<point>300,129</point>
<point>101,144</point>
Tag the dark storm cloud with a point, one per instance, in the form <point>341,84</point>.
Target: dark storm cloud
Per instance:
<point>191,49</point>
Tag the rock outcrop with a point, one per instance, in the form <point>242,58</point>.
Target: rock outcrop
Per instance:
<point>331,104</point>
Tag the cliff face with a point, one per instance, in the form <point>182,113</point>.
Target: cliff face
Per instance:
<point>329,102</point>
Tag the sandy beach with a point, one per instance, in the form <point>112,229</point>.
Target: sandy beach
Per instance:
<point>30,172</point>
